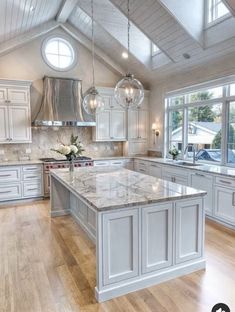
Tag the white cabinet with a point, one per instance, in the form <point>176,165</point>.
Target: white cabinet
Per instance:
<point>157,236</point>
<point>20,182</point>
<point>155,170</point>
<point>102,130</point>
<point>175,175</point>
<point>121,227</point>
<point>4,124</point>
<point>225,204</point>
<point>15,120</point>
<point>189,230</point>
<point>204,182</point>
<point>19,124</point>
<point>18,96</point>
<point>141,166</point>
<point>137,124</point>
<point>110,126</point>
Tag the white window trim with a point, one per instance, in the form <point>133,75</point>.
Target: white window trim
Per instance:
<point>68,41</point>
<point>208,24</point>
<point>224,100</point>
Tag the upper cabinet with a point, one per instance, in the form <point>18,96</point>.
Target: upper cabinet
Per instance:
<point>15,126</point>
<point>118,124</point>
<point>110,123</point>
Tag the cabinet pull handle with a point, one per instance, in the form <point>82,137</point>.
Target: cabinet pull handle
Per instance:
<point>225,182</point>
<point>233,201</point>
<point>31,177</point>
<point>199,174</point>
<point>5,175</point>
<point>33,189</point>
<point>30,169</point>
<point>142,170</point>
<point>5,192</point>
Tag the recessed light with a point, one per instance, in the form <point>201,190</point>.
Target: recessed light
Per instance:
<point>125,55</point>
<point>186,56</point>
<point>32,9</point>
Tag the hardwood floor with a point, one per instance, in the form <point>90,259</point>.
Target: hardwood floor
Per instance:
<point>49,265</point>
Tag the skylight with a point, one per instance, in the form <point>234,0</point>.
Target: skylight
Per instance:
<point>155,49</point>
<point>216,10</point>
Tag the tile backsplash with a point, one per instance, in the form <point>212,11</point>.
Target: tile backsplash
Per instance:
<point>45,139</point>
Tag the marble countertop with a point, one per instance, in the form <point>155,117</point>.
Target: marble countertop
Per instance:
<point>110,188</point>
<point>210,168</point>
<point>20,162</point>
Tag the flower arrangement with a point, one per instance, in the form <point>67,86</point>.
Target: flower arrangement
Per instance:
<point>72,150</point>
<point>174,152</point>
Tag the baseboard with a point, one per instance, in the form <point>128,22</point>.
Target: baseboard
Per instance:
<point>222,223</point>
<point>59,213</point>
<point>142,282</point>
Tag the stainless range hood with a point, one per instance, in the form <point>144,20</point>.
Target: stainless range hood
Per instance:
<point>62,104</point>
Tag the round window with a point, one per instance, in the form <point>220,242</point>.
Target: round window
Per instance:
<point>58,53</point>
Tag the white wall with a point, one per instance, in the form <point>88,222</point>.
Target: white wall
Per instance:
<point>211,71</point>
<point>27,63</point>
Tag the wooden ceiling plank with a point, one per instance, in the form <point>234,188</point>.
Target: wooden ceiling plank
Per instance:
<point>20,40</point>
<point>66,10</point>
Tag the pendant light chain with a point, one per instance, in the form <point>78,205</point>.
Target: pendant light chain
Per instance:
<point>93,42</point>
<point>128,34</point>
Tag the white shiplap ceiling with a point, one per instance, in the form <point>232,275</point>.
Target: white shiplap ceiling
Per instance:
<point>150,18</point>
<point>20,16</point>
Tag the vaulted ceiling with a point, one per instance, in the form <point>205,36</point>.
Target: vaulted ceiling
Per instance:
<point>173,28</point>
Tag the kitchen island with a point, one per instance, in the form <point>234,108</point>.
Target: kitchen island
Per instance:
<point>146,230</point>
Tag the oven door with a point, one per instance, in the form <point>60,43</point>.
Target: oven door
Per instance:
<point>47,182</point>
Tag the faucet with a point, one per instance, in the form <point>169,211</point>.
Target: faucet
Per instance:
<point>194,151</point>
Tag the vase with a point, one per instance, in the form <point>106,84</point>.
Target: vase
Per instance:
<point>71,165</point>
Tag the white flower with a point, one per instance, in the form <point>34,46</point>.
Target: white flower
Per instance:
<point>73,149</point>
<point>65,149</point>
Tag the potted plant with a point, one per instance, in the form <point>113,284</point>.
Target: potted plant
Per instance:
<point>71,151</point>
<point>174,152</point>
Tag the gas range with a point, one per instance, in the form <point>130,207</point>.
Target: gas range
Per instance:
<point>52,163</point>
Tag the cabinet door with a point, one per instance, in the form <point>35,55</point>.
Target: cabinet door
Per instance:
<point>18,96</point>
<point>155,170</point>
<point>118,125</point>
<point>120,245</point>
<point>204,182</point>
<point>133,124</point>
<point>4,126</point>
<point>143,124</point>
<point>189,230</point>
<point>157,231</point>
<point>19,124</point>
<point>225,204</point>
<point>3,95</point>
<point>103,125</point>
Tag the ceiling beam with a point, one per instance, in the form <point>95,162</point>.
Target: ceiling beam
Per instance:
<point>65,10</point>
<point>20,40</point>
<point>104,58</point>
<point>231,5</point>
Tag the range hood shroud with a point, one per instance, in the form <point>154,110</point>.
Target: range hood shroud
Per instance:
<point>62,104</point>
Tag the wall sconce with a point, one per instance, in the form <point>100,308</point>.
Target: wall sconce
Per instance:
<point>156,132</point>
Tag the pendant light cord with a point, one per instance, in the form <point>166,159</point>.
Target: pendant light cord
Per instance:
<point>128,34</point>
<point>93,42</point>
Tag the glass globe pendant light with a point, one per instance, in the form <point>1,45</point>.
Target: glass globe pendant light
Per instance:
<point>129,91</point>
<point>93,102</point>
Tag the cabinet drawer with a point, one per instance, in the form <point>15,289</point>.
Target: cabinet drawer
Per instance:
<point>101,163</point>
<point>117,162</point>
<point>9,192</point>
<point>9,174</point>
<point>225,182</point>
<point>32,189</point>
<point>32,176</point>
<point>32,168</point>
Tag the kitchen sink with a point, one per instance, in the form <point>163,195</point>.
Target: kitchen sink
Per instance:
<point>185,163</point>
